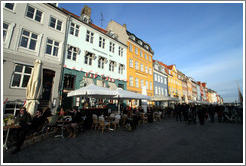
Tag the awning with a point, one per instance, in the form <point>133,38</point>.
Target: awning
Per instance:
<point>112,86</point>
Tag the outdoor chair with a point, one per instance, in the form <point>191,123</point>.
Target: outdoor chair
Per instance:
<point>157,116</point>
<point>95,121</point>
<point>116,122</point>
<point>51,123</point>
<point>144,119</point>
<point>103,124</point>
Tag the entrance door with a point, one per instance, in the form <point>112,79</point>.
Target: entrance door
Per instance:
<point>48,76</point>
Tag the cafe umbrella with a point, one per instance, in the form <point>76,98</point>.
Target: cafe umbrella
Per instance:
<point>34,88</point>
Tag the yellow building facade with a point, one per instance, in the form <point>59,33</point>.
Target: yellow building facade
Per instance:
<point>174,84</point>
<point>139,69</point>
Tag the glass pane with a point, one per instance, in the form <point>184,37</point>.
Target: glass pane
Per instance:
<point>16,80</point>
<point>5,26</point>
<point>25,80</point>
<point>74,56</point>
<point>50,41</point>
<point>77,32</point>
<point>71,30</point>
<point>30,12</point>
<point>28,70</point>
<point>32,45</point>
<point>55,51</point>
<point>52,22</point>
<point>72,24</point>
<point>56,44</point>
<point>26,33</point>
<point>68,55</point>
<point>18,68</point>
<point>38,16</point>
<point>48,49</point>
<point>24,41</point>
<point>59,24</point>
<point>34,36</point>
<point>9,6</point>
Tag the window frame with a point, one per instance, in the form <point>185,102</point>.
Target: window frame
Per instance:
<point>130,62</point>
<point>131,81</point>
<point>88,58</point>
<point>111,47</point>
<point>5,31</point>
<point>53,46</point>
<point>23,74</point>
<point>75,31</point>
<point>30,38</point>
<point>34,13</point>
<point>89,37</point>
<point>101,62</point>
<point>137,82</point>
<point>101,43</point>
<point>74,53</point>
<point>9,8</point>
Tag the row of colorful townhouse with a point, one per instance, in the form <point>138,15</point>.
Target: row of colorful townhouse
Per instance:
<point>75,53</point>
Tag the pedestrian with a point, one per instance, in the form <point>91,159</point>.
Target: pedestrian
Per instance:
<point>201,114</point>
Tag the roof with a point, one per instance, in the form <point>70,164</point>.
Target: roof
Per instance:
<point>93,25</point>
<point>162,65</point>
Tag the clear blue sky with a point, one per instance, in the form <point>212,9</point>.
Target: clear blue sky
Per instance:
<point>203,40</point>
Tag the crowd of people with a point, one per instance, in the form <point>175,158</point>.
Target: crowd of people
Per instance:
<point>187,113</point>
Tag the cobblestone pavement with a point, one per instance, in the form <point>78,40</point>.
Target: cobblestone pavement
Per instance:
<point>167,141</point>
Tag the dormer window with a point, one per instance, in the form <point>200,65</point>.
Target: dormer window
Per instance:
<point>132,37</point>
<point>146,47</point>
<point>140,42</point>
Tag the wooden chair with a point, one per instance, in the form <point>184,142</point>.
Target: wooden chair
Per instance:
<point>103,124</point>
<point>144,119</point>
<point>95,122</point>
<point>116,122</point>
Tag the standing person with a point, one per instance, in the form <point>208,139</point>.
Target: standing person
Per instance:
<point>201,114</point>
<point>76,118</point>
<point>211,113</point>
<point>150,114</point>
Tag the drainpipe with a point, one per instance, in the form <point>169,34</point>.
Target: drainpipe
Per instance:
<point>63,58</point>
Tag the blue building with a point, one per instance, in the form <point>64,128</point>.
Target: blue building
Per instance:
<point>160,79</point>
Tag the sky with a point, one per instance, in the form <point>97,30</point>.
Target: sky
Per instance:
<point>203,40</point>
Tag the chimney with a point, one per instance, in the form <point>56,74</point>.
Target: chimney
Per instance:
<point>85,14</point>
<point>124,25</point>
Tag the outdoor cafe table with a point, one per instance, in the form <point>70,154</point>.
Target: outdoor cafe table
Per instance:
<point>8,127</point>
<point>62,122</point>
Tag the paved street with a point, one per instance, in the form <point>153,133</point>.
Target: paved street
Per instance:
<point>167,141</point>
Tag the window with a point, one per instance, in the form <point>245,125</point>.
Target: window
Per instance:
<point>162,91</point>
<point>101,62</point>
<point>130,48</point>
<point>136,50</point>
<point>156,90</point>
<point>111,66</point>
<point>149,58</point>
<point>34,13</point>
<point>52,47</point>
<point>155,77</point>
<point>150,85</point>
<point>141,67</point>
<point>89,36</point>
<point>165,81</point>
<point>131,63</point>
<point>161,79</point>
<point>88,58</point>
<point>146,69</point>
<point>137,82</point>
<point>120,69</point>
<point>145,55</point>
<point>5,31</point>
<point>21,76</point>
<point>55,23</point>
<point>159,90</point>
<point>156,67</point>
<point>9,6</point>
<point>142,83</point>
<point>146,84</point>
<point>165,92</point>
<point>150,71</point>
<point>111,47</point>
<point>141,53</point>
<point>69,81</point>
<point>136,65</point>
<point>101,42</point>
<point>72,53</point>
<point>131,81</point>
<point>74,29</point>
<point>120,51</point>
<point>28,40</point>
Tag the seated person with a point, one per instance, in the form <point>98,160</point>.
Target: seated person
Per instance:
<point>76,119</point>
<point>27,125</point>
<point>47,113</point>
<point>37,121</point>
<point>23,118</point>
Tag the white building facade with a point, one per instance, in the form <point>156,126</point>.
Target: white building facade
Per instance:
<point>32,31</point>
